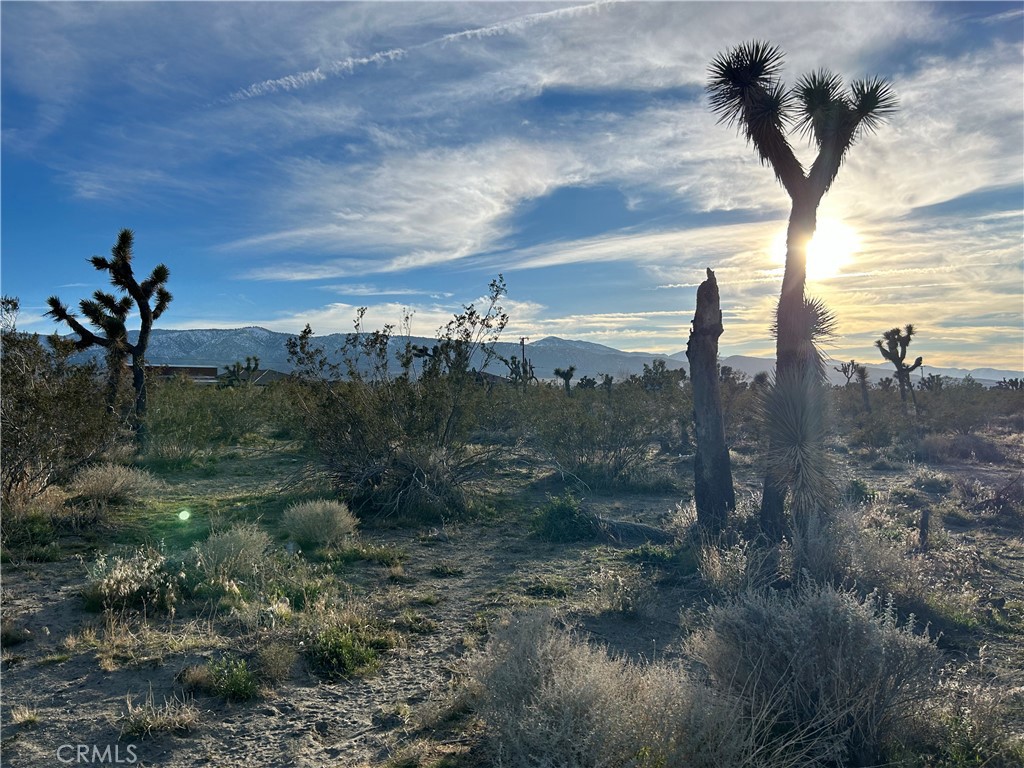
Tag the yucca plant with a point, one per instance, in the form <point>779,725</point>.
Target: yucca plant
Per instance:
<point>745,90</point>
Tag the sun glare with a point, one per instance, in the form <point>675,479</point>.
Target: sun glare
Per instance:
<point>831,249</point>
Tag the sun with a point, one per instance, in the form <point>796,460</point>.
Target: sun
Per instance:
<point>832,248</point>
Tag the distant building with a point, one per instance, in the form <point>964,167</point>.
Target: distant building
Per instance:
<point>199,374</point>
<point>260,377</point>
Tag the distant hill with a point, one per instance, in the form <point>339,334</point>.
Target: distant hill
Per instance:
<point>221,347</point>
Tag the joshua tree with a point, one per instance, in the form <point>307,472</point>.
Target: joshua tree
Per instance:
<point>893,346</point>
<point>862,381</point>
<point>566,374</point>
<point>745,90</point>
<point>236,374</point>
<point>849,370</point>
<point>109,314</point>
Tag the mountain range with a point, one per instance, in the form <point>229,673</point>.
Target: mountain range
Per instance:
<point>222,347</point>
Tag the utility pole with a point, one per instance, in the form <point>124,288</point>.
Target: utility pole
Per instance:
<point>522,359</point>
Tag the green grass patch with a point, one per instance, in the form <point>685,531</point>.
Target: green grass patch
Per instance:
<point>341,651</point>
<point>379,554</point>
<point>232,679</point>
<point>548,586</point>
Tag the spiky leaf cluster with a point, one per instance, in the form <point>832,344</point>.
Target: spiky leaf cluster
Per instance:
<point>745,89</point>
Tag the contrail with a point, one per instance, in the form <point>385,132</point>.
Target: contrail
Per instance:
<point>348,66</point>
<point>303,79</point>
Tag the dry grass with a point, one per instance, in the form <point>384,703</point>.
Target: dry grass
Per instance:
<point>319,523</point>
<point>24,715</point>
<point>137,579</point>
<point>545,694</point>
<point>241,552</point>
<point>146,718</point>
<point>112,484</point>
<point>839,668</point>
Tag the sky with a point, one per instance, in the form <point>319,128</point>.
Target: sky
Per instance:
<point>291,161</point>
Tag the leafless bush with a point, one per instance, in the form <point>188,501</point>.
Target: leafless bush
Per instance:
<point>320,523</point>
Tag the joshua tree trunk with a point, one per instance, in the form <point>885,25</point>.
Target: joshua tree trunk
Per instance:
<point>794,350</point>
<point>862,380</point>
<point>712,471</point>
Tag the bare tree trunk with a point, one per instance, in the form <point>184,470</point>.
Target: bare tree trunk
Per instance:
<point>712,470</point>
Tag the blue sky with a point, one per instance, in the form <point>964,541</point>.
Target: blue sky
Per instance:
<point>293,161</point>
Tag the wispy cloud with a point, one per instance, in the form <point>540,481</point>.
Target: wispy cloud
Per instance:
<point>373,290</point>
<point>350,64</point>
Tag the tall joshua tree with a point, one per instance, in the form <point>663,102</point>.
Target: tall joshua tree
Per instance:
<point>893,346</point>
<point>745,90</point>
<point>108,314</point>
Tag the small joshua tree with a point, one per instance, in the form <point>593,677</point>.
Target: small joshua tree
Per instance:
<point>235,375</point>
<point>108,314</point>
<point>566,374</point>
<point>893,346</point>
<point>849,370</point>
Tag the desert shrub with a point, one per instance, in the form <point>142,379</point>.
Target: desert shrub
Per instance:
<point>394,431</point>
<point>622,590</point>
<point>608,438</point>
<point>232,679</point>
<point>275,661</point>
<point>961,406</point>
<point>188,418</point>
<point>319,523</point>
<point>839,669</point>
<point>728,568</point>
<point>111,484</point>
<point>141,579</point>
<point>240,553</point>
<point>563,519</point>
<point>549,699</point>
<point>30,526</point>
<point>963,447</point>
<point>53,414</point>
<point>346,643</point>
<point>378,554</point>
<point>967,722</point>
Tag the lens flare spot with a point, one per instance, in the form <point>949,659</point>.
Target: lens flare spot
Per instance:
<point>184,514</point>
<point>832,248</point>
